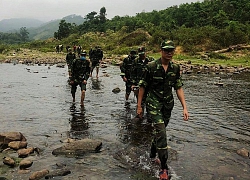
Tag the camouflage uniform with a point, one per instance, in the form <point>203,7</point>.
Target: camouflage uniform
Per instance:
<point>95,56</point>
<point>80,72</point>
<point>138,68</point>
<point>70,57</point>
<point>126,68</point>
<point>160,101</point>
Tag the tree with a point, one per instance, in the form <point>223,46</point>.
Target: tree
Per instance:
<point>24,34</point>
<point>64,30</point>
<point>102,15</point>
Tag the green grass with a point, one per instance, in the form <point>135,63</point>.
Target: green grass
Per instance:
<point>243,61</point>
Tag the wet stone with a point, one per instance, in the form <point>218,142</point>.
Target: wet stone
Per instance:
<point>116,90</point>
<point>79,147</point>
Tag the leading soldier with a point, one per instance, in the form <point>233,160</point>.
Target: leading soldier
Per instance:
<point>160,77</point>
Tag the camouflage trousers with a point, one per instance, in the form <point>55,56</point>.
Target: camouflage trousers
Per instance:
<point>160,116</point>
<point>128,85</point>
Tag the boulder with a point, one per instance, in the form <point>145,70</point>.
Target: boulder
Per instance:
<point>38,174</point>
<point>9,161</point>
<point>79,147</point>
<point>25,152</point>
<point>6,138</point>
<point>17,144</point>
<point>25,163</point>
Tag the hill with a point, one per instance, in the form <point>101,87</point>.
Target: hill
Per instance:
<point>8,25</point>
<point>47,30</point>
<point>37,29</point>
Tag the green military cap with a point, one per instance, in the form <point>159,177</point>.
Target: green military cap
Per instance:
<point>167,45</point>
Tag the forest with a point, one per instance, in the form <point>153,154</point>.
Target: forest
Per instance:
<point>200,26</point>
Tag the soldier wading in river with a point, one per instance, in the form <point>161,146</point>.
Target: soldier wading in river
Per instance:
<point>126,69</point>
<point>159,78</point>
<point>79,75</point>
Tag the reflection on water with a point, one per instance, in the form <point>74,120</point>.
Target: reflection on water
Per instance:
<point>95,83</point>
<point>79,123</point>
<point>38,103</point>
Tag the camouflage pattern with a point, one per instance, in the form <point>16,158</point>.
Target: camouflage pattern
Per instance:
<point>80,72</point>
<point>159,86</point>
<point>126,68</point>
<point>159,100</point>
<point>95,56</point>
<point>70,57</point>
<point>138,69</point>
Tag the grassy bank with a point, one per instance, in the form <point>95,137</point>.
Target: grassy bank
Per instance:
<point>232,59</point>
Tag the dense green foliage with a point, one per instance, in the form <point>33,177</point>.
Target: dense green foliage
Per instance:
<point>15,38</point>
<point>199,26</point>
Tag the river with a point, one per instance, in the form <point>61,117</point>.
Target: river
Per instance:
<point>36,101</point>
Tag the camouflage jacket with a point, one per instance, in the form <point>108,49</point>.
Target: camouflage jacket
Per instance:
<point>80,69</point>
<point>126,66</point>
<point>159,84</point>
<point>95,55</point>
<point>69,59</point>
<point>138,68</point>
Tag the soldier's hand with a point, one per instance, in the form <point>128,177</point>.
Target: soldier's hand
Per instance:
<point>71,82</point>
<point>185,114</point>
<point>124,79</point>
<point>139,112</point>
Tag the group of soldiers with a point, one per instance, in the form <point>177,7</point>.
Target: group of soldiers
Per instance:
<point>152,82</point>
<point>132,69</point>
<point>80,68</point>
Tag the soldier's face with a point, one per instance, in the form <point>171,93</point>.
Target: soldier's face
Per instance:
<point>167,53</point>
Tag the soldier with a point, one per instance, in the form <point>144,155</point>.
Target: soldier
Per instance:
<point>79,50</point>
<point>96,56</point>
<point>70,57</point>
<point>159,78</point>
<point>80,74</point>
<point>138,69</point>
<point>126,72</point>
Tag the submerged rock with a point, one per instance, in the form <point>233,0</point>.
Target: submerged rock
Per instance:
<point>24,171</point>
<point>79,147</point>
<point>56,173</point>
<point>243,152</point>
<point>116,90</point>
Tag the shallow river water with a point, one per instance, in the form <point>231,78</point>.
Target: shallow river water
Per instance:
<point>36,101</point>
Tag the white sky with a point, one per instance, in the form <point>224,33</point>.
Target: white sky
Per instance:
<point>47,10</point>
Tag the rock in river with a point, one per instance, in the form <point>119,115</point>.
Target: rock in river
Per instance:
<point>79,147</point>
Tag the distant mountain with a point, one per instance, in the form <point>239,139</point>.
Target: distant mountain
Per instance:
<point>37,29</point>
<point>47,30</point>
<point>10,25</point>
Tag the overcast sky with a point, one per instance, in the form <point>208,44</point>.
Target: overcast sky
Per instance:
<point>47,10</point>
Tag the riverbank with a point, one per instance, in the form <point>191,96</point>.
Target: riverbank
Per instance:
<point>234,62</point>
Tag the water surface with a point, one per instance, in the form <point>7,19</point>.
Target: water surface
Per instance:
<point>36,101</point>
